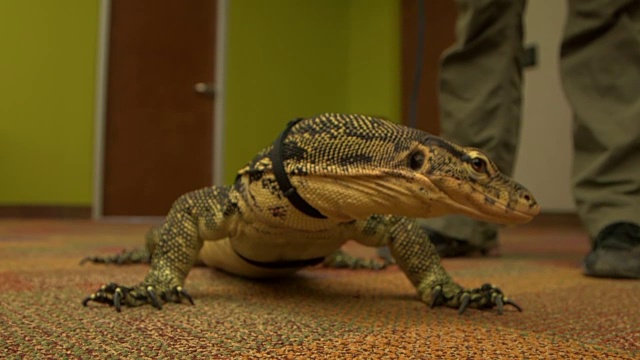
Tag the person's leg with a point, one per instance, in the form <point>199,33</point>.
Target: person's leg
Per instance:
<point>480,101</point>
<point>600,65</point>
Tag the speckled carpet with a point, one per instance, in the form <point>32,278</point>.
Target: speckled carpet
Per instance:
<point>318,314</point>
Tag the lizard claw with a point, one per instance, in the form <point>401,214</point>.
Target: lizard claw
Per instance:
<point>512,303</point>
<point>488,296</point>
<point>116,295</point>
<point>465,299</point>
<point>182,292</point>
<point>499,304</point>
<point>154,298</point>
<point>117,299</point>
<point>499,299</point>
<point>438,297</point>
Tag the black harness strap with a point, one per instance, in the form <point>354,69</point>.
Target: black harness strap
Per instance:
<point>281,264</point>
<point>277,160</point>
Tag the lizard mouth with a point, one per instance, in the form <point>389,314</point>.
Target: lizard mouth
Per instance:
<point>503,214</point>
<point>478,205</point>
<point>499,213</point>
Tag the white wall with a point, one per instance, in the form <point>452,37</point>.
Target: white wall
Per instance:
<point>545,156</point>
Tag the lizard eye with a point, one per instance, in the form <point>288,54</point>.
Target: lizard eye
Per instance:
<point>478,165</point>
<point>416,160</point>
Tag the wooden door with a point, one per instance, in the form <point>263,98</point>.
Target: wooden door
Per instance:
<point>159,130</point>
<point>439,21</point>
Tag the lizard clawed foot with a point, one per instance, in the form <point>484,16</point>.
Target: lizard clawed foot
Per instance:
<point>485,297</point>
<point>118,295</point>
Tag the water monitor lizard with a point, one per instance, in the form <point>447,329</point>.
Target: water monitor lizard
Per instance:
<point>324,181</point>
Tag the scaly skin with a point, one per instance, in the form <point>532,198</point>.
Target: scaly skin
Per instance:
<point>369,177</point>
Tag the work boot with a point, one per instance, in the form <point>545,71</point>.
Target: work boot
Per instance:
<point>616,252</point>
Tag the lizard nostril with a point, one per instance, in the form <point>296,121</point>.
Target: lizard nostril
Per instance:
<point>527,197</point>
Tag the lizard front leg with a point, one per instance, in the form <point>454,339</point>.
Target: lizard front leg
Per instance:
<point>418,259</point>
<point>202,212</point>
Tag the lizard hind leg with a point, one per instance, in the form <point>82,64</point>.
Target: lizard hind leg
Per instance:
<point>343,260</point>
<point>132,256</point>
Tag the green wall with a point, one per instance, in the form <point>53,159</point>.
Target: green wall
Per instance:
<point>291,58</point>
<point>373,67</point>
<point>286,58</point>
<point>47,71</point>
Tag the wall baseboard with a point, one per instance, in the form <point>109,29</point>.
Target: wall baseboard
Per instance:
<point>45,211</point>
<point>84,212</point>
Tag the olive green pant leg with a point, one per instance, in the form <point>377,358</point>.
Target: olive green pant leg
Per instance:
<point>480,94</point>
<point>600,66</point>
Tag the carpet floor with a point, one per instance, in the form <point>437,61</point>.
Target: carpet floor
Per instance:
<point>317,314</point>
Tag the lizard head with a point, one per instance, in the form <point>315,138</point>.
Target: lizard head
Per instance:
<point>352,166</point>
<point>468,182</point>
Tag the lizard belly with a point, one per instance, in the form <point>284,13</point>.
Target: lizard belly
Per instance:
<point>232,254</point>
<point>220,255</point>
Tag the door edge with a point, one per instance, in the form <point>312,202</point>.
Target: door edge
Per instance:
<point>219,104</point>
<point>100,108</point>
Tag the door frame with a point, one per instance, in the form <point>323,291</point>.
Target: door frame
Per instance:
<point>102,69</point>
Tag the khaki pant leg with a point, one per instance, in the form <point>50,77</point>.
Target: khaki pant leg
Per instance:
<point>480,93</point>
<point>600,64</point>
